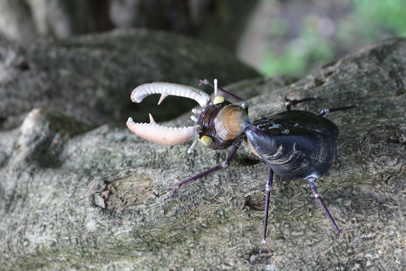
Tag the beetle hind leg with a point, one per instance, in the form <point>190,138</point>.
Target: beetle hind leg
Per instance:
<point>317,196</point>
<point>325,111</point>
<point>290,103</point>
<point>267,199</point>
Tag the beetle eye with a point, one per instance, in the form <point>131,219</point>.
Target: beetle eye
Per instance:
<point>206,140</point>
<point>218,100</point>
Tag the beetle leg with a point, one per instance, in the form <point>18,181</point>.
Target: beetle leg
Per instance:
<point>325,111</point>
<point>267,196</point>
<point>237,144</point>
<point>317,196</point>
<point>289,103</point>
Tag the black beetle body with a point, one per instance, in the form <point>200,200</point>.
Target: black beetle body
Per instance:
<point>295,144</point>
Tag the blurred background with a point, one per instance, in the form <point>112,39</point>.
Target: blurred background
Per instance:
<point>273,36</point>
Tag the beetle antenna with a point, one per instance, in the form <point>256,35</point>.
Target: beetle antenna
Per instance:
<point>244,103</point>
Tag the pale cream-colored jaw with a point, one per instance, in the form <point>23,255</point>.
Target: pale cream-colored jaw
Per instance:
<point>154,132</point>
<point>142,91</point>
<point>169,136</point>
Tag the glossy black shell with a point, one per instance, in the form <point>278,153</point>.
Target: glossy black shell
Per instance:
<point>295,144</point>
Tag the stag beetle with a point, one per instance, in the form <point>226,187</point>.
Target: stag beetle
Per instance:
<point>294,144</point>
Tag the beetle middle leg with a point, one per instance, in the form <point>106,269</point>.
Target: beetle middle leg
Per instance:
<point>267,199</point>
<point>317,196</point>
<point>236,145</point>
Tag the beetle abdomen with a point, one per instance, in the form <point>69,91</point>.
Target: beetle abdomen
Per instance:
<point>295,144</point>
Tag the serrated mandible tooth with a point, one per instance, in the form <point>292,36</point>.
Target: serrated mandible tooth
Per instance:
<point>130,120</point>
<point>163,96</point>
<point>151,119</point>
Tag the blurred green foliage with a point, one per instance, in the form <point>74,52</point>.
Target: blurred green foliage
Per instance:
<point>376,18</point>
<point>355,24</point>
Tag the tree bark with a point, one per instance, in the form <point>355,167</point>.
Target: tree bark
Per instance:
<point>74,198</point>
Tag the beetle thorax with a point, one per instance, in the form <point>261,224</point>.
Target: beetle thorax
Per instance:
<point>231,122</point>
<point>223,123</point>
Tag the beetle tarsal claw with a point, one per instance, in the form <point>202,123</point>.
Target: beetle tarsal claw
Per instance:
<point>169,136</point>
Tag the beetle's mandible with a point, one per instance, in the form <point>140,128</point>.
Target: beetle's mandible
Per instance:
<point>294,144</point>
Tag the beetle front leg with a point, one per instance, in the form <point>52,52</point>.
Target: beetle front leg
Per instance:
<point>317,196</point>
<point>236,145</point>
<point>267,199</point>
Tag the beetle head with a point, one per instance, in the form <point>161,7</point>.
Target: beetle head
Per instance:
<point>154,132</point>
<point>218,125</point>
<point>221,124</point>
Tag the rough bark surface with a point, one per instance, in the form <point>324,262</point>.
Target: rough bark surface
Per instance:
<point>74,198</point>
